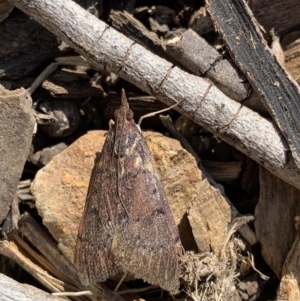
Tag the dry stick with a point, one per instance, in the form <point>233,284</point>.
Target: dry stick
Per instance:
<point>14,291</point>
<point>200,58</point>
<point>105,48</point>
<point>280,93</point>
<point>76,294</point>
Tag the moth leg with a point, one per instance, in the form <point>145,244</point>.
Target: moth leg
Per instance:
<point>111,123</point>
<point>158,112</point>
<point>120,282</point>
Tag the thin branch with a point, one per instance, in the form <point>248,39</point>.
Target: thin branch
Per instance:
<point>106,49</point>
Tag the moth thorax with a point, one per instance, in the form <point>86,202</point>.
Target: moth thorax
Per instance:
<point>129,114</point>
<point>122,115</point>
<point>122,147</point>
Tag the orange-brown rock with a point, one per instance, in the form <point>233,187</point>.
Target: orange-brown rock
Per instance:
<point>60,187</point>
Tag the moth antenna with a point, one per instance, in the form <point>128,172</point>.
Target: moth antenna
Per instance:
<point>158,112</point>
<point>124,100</point>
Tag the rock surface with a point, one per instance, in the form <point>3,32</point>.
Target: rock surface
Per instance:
<point>60,187</point>
<point>16,128</point>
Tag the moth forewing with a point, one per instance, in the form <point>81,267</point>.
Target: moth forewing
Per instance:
<point>127,223</point>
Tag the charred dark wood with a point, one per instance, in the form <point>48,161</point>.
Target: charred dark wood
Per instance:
<point>24,44</point>
<point>282,15</point>
<point>280,94</point>
<point>135,30</point>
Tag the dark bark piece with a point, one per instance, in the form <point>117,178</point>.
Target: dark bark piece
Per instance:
<point>250,178</point>
<point>16,128</point>
<point>223,171</point>
<point>200,22</point>
<point>24,44</point>
<point>280,94</point>
<point>135,30</point>
<point>68,84</point>
<point>116,5</point>
<point>282,15</point>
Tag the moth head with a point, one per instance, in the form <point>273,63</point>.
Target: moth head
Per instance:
<point>124,110</point>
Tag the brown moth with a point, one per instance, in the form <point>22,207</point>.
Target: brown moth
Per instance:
<point>127,224</point>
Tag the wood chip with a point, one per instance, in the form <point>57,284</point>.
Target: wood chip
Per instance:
<point>274,219</point>
<point>209,215</point>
